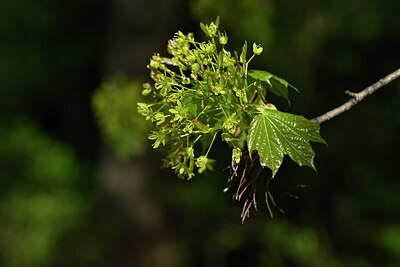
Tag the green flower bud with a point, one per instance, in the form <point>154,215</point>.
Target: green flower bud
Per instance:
<point>236,154</point>
<point>154,64</point>
<point>239,93</point>
<point>212,29</point>
<point>201,161</point>
<point>231,123</point>
<point>190,152</point>
<point>155,61</point>
<point>218,90</point>
<point>257,49</point>
<point>190,37</point>
<point>207,48</point>
<point>223,39</point>
<point>146,92</point>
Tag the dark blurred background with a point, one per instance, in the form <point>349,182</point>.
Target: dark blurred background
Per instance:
<point>76,194</point>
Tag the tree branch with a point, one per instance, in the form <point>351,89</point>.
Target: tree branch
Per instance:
<point>357,97</point>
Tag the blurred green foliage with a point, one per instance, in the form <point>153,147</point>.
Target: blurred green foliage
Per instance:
<point>47,63</point>
<point>38,199</point>
<point>116,113</point>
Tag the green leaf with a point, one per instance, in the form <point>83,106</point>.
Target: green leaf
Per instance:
<point>275,134</point>
<point>277,86</point>
<point>191,104</point>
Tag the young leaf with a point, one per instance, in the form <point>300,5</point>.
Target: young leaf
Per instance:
<point>275,134</point>
<point>217,21</point>
<point>204,28</point>
<point>278,86</point>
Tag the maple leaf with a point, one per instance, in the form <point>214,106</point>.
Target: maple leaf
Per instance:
<point>275,134</point>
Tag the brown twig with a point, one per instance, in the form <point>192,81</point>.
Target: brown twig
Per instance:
<point>254,199</point>
<point>255,179</point>
<point>269,208</point>
<point>357,97</point>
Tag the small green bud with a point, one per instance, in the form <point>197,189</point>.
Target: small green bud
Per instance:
<point>223,39</point>
<point>210,48</point>
<point>201,161</point>
<point>218,90</point>
<point>239,92</point>
<point>155,61</point>
<point>190,175</point>
<point>147,89</point>
<point>190,37</point>
<point>146,92</point>
<point>180,36</point>
<point>212,29</point>
<point>257,49</point>
<point>207,48</point>
<point>154,64</point>
<point>190,152</point>
<point>231,123</point>
<point>236,154</point>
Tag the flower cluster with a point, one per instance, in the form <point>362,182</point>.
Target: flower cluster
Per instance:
<point>199,92</point>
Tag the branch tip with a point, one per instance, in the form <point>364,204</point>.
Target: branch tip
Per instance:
<point>357,97</point>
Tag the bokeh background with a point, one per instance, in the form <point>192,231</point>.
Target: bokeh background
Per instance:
<point>81,186</point>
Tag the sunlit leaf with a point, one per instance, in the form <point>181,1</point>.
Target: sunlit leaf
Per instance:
<point>275,134</point>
